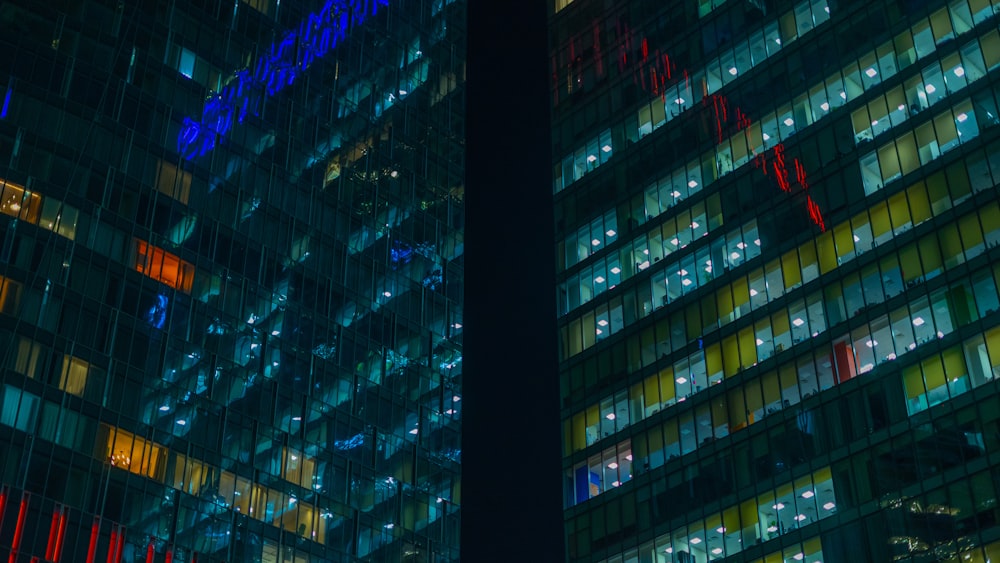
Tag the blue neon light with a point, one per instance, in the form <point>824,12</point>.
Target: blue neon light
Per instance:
<point>156,316</point>
<point>6,104</point>
<point>316,36</point>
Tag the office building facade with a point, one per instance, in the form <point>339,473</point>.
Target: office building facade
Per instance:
<point>776,229</point>
<point>231,277</point>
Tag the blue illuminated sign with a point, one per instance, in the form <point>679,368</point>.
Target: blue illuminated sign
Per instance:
<point>316,36</point>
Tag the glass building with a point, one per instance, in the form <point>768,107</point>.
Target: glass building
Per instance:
<point>231,280</point>
<point>777,225</point>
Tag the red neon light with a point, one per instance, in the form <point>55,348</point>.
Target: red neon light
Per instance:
<point>50,545</point>
<point>120,545</point>
<point>57,553</point>
<point>112,544</point>
<point>170,555</point>
<point>720,107</point>
<point>19,529</point>
<point>150,552</point>
<point>94,530</point>
<point>3,502</point>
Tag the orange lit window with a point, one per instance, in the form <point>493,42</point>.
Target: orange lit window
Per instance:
<point>163,266</point>
<point>18,202</point>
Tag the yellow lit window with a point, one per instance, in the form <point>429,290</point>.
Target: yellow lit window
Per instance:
<point>262,6</point>
<point>299,468</point>
<point>73,378</point>
<point>173,182</point>
<point>127,451</point>
<point>59,217</point>
<point>26,361</point>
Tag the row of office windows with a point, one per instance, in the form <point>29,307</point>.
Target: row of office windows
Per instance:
<point>726,68</point>
<point>915,262</point>
<point>49,213</point>
<point>947,130</point>
<point>863,75</point>
<point>905,527</point>
<point>839,89</point>
<point>884,339</point>
<point>954,444</point>
<point>226,360</point>
<point>155,263</point>
<point>934,82</point>
<point>868,121</point>
<point>788,507</point>
<point>197,379</point>
<point>674,234</point>
<point>686,93</point>
<point>658,198</point>
<point>837,246</point>
<point>809,551</point>
<point>283,508</point>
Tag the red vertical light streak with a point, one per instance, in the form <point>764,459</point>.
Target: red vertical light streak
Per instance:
<point>150,552</point>
<point>50,545</point>
<point>57,554</point>
<point>112,543</point>
<point>720,108</point>
<point>120,545</point>
<point>95,529</point>
<point>3,502</point>
<point>22,513</point>
<point>170,555</point>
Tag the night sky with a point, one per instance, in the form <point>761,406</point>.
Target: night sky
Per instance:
<point>511,492</point>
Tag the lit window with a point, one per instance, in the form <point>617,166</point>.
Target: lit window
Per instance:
<point>10,296</point>
<point>27,356</point>
<point>185,63</point>
<point>73,378</point>
<point>18,202</point>
<point>560,4</point>
<point>127,451</point>
<point>18,409</point>
<point>163,266</point>
<point>262,6</point>
<point>59,217</point>
<point>173,182</point>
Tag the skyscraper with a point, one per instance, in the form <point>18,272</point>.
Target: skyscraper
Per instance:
<point>231,280</point>
<point>776,229</point>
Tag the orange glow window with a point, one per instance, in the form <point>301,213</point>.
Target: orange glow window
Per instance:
<point>163,266</point>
